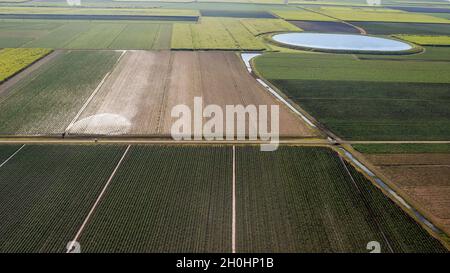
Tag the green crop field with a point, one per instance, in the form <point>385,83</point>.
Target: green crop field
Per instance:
<point>301,14</point>
<point>65,70</point>
<point>310,192</point>
<point>82,34</point>
<point>378,15</point>
<point>431,53</point>
<point>344,67</point>
<point>13,60</point>
<point>47,191</point>
<point>157,204</point>
<point>226,33</point>
<point>98,11</point>
<point>366,99</point>
<point>46,102</point>
<point>425,40</point>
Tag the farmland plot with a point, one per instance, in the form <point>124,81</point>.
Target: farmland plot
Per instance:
<point>366,99</point>
<point>223,34</point>
<point>45,102</point>
<point>98,36</point>
<point>157,204</point>
<point>383,28</point>
<point>15,34</point>
<point>260,26</point>
<point>47,191</point>
<point>422,177</point>
<point>326,27</point>
<point>138,97</point>
<point>378,15</point>
<point>303,200</point>
<point>426,39</point>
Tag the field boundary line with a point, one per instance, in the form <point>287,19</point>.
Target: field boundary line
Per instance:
<point>86,220</point>
<point>369,209</point>
<point>233,221</point>
<point>11,156</point>
<point>91,97</point>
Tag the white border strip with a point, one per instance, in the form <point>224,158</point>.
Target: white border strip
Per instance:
<point>9,158</point>
<point>233,222</point>
<point>72,243</point>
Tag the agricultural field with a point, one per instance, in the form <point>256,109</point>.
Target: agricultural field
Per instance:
<point>365,99</point>
<point>156,204</point>
<point>262,26</point>
<point>426,40</point>
<point>302,15</point>
<point>98,11</point>
<point>326,27</point>
<point>14,60</point>
<point>237,14</point>
<point>430,53</point>
<point>46,192</point>
<point>422,173</point>
<point>86,34</point>
<point>226,33</point>
<point>6,151</point>
<point>212,33</point>
<point>383,28</point>
<point>100,141</point>
<point>402,148</point>
<point>377,15</point>
<point>138,96</point>
<point>329,209</point>
<point>281,203</point>
<point>47,101</point>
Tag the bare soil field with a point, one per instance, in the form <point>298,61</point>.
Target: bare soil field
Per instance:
<point>138,96</point>
<point>410,159</point>
<point>425,178</point>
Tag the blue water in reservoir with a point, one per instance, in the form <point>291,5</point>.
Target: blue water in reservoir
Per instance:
<point>341,42</point>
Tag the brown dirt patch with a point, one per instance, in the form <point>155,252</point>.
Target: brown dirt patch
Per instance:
<point>142,90</point>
